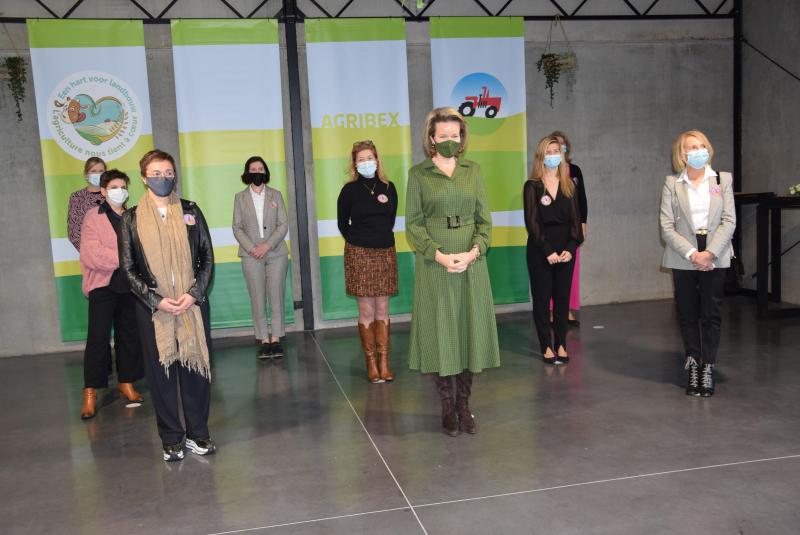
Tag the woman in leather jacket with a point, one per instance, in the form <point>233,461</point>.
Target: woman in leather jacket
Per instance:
<point>167,258</point>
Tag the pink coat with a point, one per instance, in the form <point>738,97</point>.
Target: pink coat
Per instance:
<point>99,253</point>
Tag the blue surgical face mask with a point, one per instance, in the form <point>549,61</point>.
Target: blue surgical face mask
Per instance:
<point>367,168</point>
<point>697,159</point>
<point>161,186</point>
<point>552,161</point>
<point>94,179</point>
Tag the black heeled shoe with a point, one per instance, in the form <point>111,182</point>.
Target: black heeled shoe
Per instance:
<point>562,360</point>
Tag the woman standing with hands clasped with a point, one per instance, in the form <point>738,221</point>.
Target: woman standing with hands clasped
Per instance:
<point>554,234</point>
<point>698,218</point>
<point>260,226</point>
<point>448,224</point>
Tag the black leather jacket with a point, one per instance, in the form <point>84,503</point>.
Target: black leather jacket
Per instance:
<point>134,264</point>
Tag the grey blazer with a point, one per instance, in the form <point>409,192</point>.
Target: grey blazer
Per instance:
<point>677,227</point>
<point>245,223</point>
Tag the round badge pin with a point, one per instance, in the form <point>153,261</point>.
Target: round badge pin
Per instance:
<point>546,200</point>
<point>383,199</point>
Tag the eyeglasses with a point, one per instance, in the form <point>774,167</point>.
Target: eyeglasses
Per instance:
<point>159,174</point>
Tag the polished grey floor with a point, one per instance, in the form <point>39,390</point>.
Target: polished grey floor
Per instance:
<point>607,444</point>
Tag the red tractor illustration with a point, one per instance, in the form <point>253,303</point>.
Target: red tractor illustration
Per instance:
<point>471,104</point>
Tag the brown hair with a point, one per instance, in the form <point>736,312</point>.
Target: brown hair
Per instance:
<point>91,163</point>
<point>113,174</point>
<point>567,142</point>
<point>246,174</point>
<point>537,172</point>
<point>679,158</point>
<point>155,155</point>
<point>442,115</point>
<point>358,146</point>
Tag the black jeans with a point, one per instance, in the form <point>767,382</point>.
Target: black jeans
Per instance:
<point>698,295</point>
<point>195,390</point>
<point>550,281</point>
<point>106,309</point>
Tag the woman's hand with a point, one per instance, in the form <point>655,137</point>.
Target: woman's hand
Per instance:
<point>702,261</point>
<point>259,251</point>
<point>168,305</point>
<point>583,228</point>
<point>553,258</point>
<point>453,263</point>
<point>565,256</point>
<point>184,303</point>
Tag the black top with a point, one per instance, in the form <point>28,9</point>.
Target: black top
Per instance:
<point>553,223</point>
<point>577,177</point>
<point>118,283</point>
<point>366,210</point>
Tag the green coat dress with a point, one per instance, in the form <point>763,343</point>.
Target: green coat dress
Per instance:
<point>453,327</point>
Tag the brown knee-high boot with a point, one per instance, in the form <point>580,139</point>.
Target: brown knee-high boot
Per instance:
<point>444,385</point>
<point>466,419</point>
<point>368,346</point>
<point>382,343</point>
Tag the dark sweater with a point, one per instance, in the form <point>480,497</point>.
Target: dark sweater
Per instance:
<point>553,226</point>
<point>363,219</point>
<point>577,177</point>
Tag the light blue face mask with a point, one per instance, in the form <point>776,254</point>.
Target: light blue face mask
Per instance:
<point>697,159</point>
<point>94,179</point>
<point>367,168</point>
<point>552,161</point>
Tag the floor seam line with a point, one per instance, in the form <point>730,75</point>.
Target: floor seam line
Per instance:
<point>369,437</point>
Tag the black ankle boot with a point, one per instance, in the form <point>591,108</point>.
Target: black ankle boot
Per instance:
<point>693,385</point>
<point>707,380</point>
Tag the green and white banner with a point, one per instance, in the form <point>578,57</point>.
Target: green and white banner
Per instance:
<point>229,102</point>
<point>90,81</point>
<point>358,89</point>
<point>478,67</point>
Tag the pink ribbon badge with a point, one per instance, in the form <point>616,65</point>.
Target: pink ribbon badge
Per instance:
<point>383,198</point>
<point>715,190</point>
<point>273,204</point>
<point>546,200</point>
<point>188,219</point>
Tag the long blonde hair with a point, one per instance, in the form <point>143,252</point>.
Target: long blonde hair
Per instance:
<point>358,146</point>
<point>442,115</point>
<point>564,180</point>
<point>679,158</point>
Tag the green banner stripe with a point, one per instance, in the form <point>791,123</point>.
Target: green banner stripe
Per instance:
<point>43,33</point>
<point>214,187</point>
<point>73,308</point>
<point>508,271</point>
<point>343,30</point>
<point>230,146</point>
<point>506,134</point>
<point>331,175</point>
<point>504,175</point>
<point>335,142</point>
<point>224,32</point>
<point>459,27</point>
<point>336,304</point>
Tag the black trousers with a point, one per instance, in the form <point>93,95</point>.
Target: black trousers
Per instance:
<point>194,389</point>
<point>550,281</point>
<point>106,309</point>
<point>698,295</point>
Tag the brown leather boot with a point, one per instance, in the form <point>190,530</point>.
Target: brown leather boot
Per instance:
<point>466,420</point>
<point>382,344</point>
<point>89,402</point>
<point>444,386</point>
<point>130,393</point>
<point>368,346</point>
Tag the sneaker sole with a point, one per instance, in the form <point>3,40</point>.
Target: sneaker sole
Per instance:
<point>172,458</point>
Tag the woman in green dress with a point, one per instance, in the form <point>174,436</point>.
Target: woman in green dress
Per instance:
<point>448,224</point>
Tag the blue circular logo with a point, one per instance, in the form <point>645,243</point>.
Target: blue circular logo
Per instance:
<point>479,95</point>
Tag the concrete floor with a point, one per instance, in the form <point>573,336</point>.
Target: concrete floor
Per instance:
<point>607,444</point>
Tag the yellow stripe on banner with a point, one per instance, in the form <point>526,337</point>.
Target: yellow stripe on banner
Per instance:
<point>57,162</point>
<point>501,237</point>
<point>67,269</point>
<point>509,137</point>
<point>224,147</point>
<point>338,142</point>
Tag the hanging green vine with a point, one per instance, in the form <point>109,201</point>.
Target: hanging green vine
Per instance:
<point>551,67</point>
<point>15,65</point>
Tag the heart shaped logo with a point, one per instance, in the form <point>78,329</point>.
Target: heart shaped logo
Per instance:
<point>96,122</point>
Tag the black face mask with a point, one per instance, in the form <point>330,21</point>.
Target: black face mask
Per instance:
<point>257,179</point>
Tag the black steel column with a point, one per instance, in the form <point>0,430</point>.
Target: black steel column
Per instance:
<point>290,19</point>
<point>737,117</point>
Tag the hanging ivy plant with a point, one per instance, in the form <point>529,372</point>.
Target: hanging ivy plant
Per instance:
<point>550,66</point>
<point>554,66</point>
<point>15,65</point>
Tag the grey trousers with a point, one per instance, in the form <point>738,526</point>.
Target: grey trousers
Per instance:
<point>266,277</point>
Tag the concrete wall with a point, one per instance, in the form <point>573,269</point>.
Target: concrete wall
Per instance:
<point>638,85</point>
<point>771,119</point>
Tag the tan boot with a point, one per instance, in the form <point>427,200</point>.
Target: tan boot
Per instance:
<point>130,393</point>
<point>368,346</point>
<point>89,403</point>
<point>382,345</point>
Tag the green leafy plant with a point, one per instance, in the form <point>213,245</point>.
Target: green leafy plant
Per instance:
<point>549,65</point>
<point>554,66</point>
<point>795,190</point>
<point>16,67</point>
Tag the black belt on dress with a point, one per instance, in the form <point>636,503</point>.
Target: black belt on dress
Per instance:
<point>450,222</point>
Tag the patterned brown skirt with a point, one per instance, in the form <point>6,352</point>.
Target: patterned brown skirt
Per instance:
<point>370,272</point>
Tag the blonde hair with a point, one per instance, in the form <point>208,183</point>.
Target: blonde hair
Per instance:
<point>567,142</point>
<point>564,180</point>
<point>442,115</point>
<point>678,156</point>
<point>91,163</point>
<point>358,146</point>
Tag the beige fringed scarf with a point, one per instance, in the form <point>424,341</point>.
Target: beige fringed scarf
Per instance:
<point>166,246</point>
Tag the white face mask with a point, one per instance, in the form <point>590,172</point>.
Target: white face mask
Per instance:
<point>94,179</point>
<point>117,196</point>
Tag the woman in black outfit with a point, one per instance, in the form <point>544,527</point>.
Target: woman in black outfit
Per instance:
<point>366,211</point>
<point>554,233</point>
